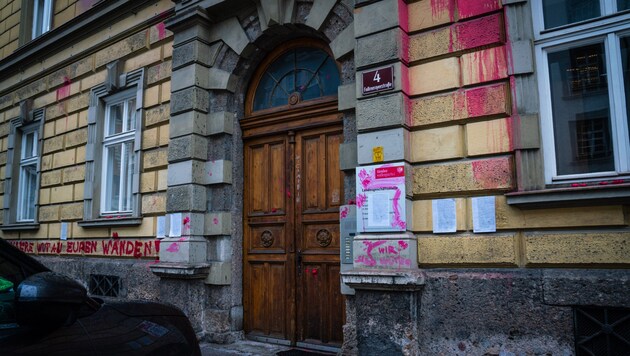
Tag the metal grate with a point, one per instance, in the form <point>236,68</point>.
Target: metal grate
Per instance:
<point>105,286</point>
<point>602,331</point>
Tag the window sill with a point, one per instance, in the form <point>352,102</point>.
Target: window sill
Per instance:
<point>20,227</point>
<point>122,221</point>
<point>571,196</point>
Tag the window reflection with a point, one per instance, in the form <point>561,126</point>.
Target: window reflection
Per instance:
<point>581,110</point>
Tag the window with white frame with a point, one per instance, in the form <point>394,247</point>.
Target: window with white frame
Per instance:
<point>21,184</point>
<point>118,155</point>
<point>42,17</point>
<point>582,52</point>
<point>27,176</point>
<point>112,164</point>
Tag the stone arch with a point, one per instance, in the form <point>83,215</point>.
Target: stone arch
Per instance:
<point>216,51</point>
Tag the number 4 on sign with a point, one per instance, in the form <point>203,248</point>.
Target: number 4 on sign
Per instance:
<point>377,77</point>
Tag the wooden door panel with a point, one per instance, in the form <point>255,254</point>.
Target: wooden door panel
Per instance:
<point>267,177</point>
<point>281,229</point>
<point>267,299</point>
<point>320,237</point>
<point>267,238</point>
<point>334,180</point>
<point>322,307</point>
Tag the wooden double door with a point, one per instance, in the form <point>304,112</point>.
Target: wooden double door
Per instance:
<point>293,190</point>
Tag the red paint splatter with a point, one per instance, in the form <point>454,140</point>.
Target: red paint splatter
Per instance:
<point>351,202</point>
<point>288,193</point>
<point>487,65</point>
<point>343,213</point>
<point>274,210</point>
<point>493,173</point>
<point>617,181</point>
<point>603,183</point>
<point>174,247</point>
<point>210,174</point>
<point>115,235</point>
<point>438,7</point>
<point>161,30</point>
<point>186,220</point>
<point>64,91</point>
<point>476,33</point>
<point>215,221</point>
<point>470,8</point>
<point>361,199</point>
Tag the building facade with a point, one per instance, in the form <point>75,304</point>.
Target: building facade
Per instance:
<point>461,167</point>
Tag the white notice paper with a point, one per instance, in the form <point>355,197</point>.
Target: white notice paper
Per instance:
<point>378,209</point>
<point>444,216</point>
<point>161,227</point>
<point>176,225</point>
<point>64,231</point>
<point>484,218</point>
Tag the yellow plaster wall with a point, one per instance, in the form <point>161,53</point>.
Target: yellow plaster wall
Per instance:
<point>64,93</point>
<point>462,147</point>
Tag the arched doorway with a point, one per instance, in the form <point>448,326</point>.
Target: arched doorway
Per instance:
<point>292,192</point>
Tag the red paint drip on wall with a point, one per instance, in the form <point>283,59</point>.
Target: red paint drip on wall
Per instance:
<point>64,91</point>
<point>469,8</point>
<point>161,30</point>
<point>480,32</point>
<point>440,6</point>
<point>492,173</point>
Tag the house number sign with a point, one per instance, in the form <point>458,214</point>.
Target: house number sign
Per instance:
<point>378,80</point>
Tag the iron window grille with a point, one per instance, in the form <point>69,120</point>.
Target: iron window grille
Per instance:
<point>105,286</point>
<point>601,331</point>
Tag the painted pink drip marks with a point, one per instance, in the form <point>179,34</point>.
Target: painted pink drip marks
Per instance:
<point>477,33</point>
<point>215,221</point>
<point>368,259</point>
<point>440,6</point>
<point>470,8</point>
<point>397,220</point>
<point>361,199</point>
<point>494,173</point>
<point>161,30</point>
<point>343,213</point>
<point>174,247</point>
<point>64,91</point>
<point>491,64</point>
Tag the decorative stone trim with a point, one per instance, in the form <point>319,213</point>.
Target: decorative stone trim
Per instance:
<point>180,270</point>
<point>563,197</point>
<point>390,280</point>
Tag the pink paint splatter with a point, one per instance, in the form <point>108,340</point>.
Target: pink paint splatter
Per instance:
<point>288,193</point>
<point>403,245</point>
<point>361,199</point>
<point>343,213</point>
<point>476,33</point>
<point>215,221</point>
<point>470,8</point>
<point>494,173</point>
<point>174,247</point>
<point>397,221</point>
<point>438,7</point>
<point>64,91</point>
<point>368,259</point>
<point>161,30</point>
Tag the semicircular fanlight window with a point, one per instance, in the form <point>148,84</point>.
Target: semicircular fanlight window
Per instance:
<point>298,75</point>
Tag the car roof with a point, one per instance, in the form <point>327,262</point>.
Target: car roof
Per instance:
<point>28,264</point>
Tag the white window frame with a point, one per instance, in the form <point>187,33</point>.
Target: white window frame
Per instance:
<point>45,8</point>
<point>127,135</point>
<point>115,89</point>
<point>24,193</point>
<point>607,29</point>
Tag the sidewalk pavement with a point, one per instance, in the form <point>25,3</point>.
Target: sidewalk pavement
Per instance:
<point>242,347</point>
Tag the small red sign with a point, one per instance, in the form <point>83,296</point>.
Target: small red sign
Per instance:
<point>390,172</point>
<point>378,80</point>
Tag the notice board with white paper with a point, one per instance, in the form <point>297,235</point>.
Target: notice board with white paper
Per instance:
<point>381,198</point>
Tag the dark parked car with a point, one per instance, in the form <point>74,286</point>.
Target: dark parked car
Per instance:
<point>45,313</point>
